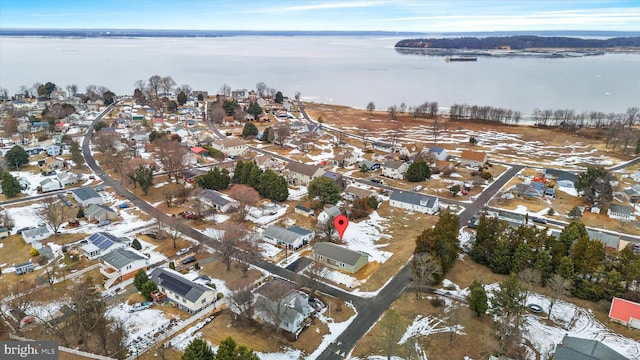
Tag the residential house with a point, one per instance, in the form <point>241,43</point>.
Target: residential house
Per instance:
<point>157,123</point>
<point>301,174</point>
<point>335,177</point>
<point>299,209</point>
<point>625,312</point>
<point>562,178</point>
<point>233,147</point>
<point>4,232</point>
<point>280,296</point>
<point>36,234</point>
<point>528,190</point>
<point>394,169</point>
<point>369,165</point>
<point>199,151</point>
<point>328,214</point>
<point>24,268</point>
<point>54,150</point>
<point>358,193</point>
<point>443,164</point>
<point>188,295</point>
<point>512,218</point>
<point>86,196</point>
<point>218,201</point>
<point>345,158</point>
<point>573,348</point>
<point>415,202</point>
<point>621,212</point>
<point>196,94</point>
<point>409,150</point>
<point>280,236</point>
<point>384,147</point>
<point>268,162</point>
<point>339,257</point>
<point>54,163</point>
<point>306,235</point>
<point>100,213</point>
<point>67,178</point>
<point>189,159</point>
<point>190,175</point>
<point>438,153</point>
<point>473,158</point>
<point>610,241</point>
<point>49,184</point>
<point>122,264</point>
<point>101,243</point>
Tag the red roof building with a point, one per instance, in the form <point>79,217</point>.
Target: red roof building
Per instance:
<point>200,151</point>
<point>625,312</point>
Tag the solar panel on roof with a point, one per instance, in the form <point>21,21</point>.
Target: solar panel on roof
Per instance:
<point>174,284</point>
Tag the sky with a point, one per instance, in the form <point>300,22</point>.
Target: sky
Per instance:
<point>324,15</point>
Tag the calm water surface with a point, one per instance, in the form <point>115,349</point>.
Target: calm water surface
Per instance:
<point>346,70</point>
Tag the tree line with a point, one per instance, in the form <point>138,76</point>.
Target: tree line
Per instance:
<point>519,42</point>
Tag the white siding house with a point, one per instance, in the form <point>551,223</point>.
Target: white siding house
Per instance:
<point>415,202</point>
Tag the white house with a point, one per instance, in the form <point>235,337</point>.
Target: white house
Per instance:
<point>101,243</point>
<point>301,174</point>
<point>67,178</point>
<point>99,213</point>
<point>39,233</point>
<point>439,153</point>
<point>234,147</point>
<point>394,169</point>
<point>54,150</point>
<point>473,158</point>
<point>190,296</point>
<point>279,296</point>
<point>86,196</point>
<point>218,201</point>
<point>621,212</point>
<point>384,147</point>
<point>49,184</point>
<point>345,158</point>
<point>328,213</point>
<point>121,264</point>
<point>293,237</point>
<point>413,201</point>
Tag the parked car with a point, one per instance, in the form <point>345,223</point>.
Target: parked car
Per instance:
<point>104,223</point>
<point>183,251</point>
<point>24,228</point>
<point>418,188</point>
<point>68,203</point>
<point>189,260</point>
<point>100,188</point>
<point>377,181</point>
<point>539,220</point>
<point>139,306</point>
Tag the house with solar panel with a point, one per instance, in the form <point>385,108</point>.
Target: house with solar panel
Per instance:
<point>218,201</point>
<point>101,243</point>
<point>188,295</point>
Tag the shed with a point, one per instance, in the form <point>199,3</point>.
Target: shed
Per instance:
<point>625,312</point>
<point>39,233</point>
<point>24,268</point>
<point>87,196</point>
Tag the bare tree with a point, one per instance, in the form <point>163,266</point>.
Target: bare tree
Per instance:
<point>529,277</point>
<point>140,85</point>
<point>364,132</point>
<point>393,112</point>
<point>166,84</point>
<point>402,109</point>
<point>271,301</point>
<point>242,303</point>
<point>326,230</point>
<point>559,287</point>
<point>390,331</point>
<point>338,139</point>
<point>282,133</point>
<point>425,269</point>
<point>314,272</point>
<point>105,140</point>
<point>261,88</point>
<point>371,106</point>
<point>169,154</point>
<point>54,212</point>
<point>216,113</point>
<point>225,89</point>
<point>239,114</point>
<point>10,126</point>
<point>185,88</point>
<point>246,196</point>
<point>232,234</point>
<point>153,85</point>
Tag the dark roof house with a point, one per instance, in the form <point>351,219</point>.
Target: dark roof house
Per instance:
<point>573,348</point>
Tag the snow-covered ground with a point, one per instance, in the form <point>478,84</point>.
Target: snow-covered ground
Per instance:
<point>362,236</point>
<point>141,326</point>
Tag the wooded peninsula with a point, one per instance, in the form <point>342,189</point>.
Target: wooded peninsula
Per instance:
<point>519,43</point>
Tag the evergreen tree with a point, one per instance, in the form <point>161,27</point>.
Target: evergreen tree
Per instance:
<point>143,176</point>
<point>80,213</point>
<point>76,153</point>
<point>487,234</point>
<point>266,135</point>
<point>182,98</point>
<point>136,244</point>
<point>325,189</point>
<point>477,298</point>
<point>544,265</point>
<point>521,257</point>
<point>575,213</point>
<point>16,156</point>
<point>441,242</point>
<point>198,349</point>
<point>279,97</point>
<point>214,179</point>
<point>249,130</point>
<point>255,110</point>
<point>566,268</point>
<point>273,186</point>
<point>10,185</point>
<point>571,233</point>
<point>508,304</point>
<point>229,350</point>
<point>588,255</point>
<point>147,288</point>
<point>418,171</point>
<point>140,279</point>
<point>501,261</point>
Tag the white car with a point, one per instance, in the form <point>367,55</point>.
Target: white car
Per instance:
<point>418,188</point>
<point>183,251</point>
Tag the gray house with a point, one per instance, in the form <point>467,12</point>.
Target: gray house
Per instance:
<point>39,233</point>
<point>573,348</point>
<point>339,257</point>
<point>188,295</point>
<point>86,196</point>
<point>293,237</point>
<point>218,201</point>
<point>416,202</point>
<point>279,296</point>
<point>24,268</point>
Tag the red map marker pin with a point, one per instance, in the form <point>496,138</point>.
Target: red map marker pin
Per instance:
<point>341,222</point>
